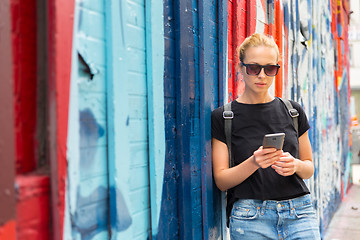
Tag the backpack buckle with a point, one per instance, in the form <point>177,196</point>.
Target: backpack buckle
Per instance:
<point>294,113</point>
<point>228,115</point>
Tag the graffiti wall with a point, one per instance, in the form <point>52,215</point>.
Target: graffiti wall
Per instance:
<point>131,85</point>
<point>313,42</point>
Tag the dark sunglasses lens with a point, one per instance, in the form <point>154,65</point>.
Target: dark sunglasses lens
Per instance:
<point>271,70</point>
<point>253,69</point>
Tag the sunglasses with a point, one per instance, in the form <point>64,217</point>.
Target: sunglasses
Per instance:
<point>255,69</point>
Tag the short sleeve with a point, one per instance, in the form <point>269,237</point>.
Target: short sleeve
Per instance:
<point>217,125</point>
<point>302,119</point>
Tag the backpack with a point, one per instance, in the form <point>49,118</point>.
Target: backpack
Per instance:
<point>228,115</point>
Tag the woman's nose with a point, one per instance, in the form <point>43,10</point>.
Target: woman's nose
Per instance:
<point>262,73</point>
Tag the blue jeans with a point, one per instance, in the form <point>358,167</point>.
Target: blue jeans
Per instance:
<point>288,219</point>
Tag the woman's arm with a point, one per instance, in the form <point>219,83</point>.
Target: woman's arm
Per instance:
<point>303,167</point>
<point>226,177</point>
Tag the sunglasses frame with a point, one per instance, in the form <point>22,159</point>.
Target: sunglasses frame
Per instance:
<point>261,67</point>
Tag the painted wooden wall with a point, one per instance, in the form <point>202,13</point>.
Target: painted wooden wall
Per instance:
<point>115,150</point>
<point>191,80</point>
<point>135,99</point>
<point>131,87</point>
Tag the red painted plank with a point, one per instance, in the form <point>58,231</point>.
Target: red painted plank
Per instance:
<point>238,38</point>
<point>250,17</point>
<point>23,19</point>
<point>279,22</point>
<point>61,17</point>
<point>230,50</point>
<point>33,207</point>
<point>236,35</point>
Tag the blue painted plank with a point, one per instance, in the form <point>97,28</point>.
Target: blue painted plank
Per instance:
<point>138,2</point>
<point>222,83</point>
<point>168,73</point>
<point>209,97</point>
<point>94,5</point>
<point>185,54</point>
<point>139,177</point>
<point>136,37</point>
<point>119,153</point>
<point>88,186</point>
<point>137,199</point>
<point>91,220</point>
<point>142,223</point>
<point>138,86</point>
<point>94,20</point>
<point>139,154</point>
<point>95,85</point>
<point>92,107</point>
<point>93,162</point>
<point>192,74</point>
<point>86,46</point>
<point>138,107</point>
<point>137,62</point>
<point>168,42</point>
<point>93,134</point>
<point>136,14</point>
<point>156,121</point>
<point>168,217</point>
<point>93,189</point>
<point>138,129</point>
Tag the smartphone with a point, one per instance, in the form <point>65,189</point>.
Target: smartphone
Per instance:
<point>275,140</point>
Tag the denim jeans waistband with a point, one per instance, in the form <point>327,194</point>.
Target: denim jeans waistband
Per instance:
<point>274,204</point>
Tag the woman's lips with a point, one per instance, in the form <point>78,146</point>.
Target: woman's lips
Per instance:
<point>260,84</point>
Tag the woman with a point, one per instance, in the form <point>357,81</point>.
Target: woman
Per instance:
<point>267,196</point>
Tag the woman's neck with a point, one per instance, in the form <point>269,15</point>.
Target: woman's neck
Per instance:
<point>254,98</point>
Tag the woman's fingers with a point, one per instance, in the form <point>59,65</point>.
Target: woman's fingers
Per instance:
<point>286,165</point>
<point>265,157</point>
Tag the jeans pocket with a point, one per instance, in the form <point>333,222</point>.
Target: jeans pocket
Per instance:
<point>245,212</point>
<point>304,211</point>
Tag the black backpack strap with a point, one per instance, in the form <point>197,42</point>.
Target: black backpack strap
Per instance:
<point>228,115</point>
<point>293,113</point>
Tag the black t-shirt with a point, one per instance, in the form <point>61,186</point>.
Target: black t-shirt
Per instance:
<point>249,125</point>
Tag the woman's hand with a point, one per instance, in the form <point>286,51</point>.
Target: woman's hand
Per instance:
<point>265,157</point>
<point>303,167</point>
<point>287,165</point>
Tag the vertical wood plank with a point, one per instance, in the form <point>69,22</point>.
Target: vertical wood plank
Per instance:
<point>118,121</point>
<point>223,51</point>
<point>168,217</point>
<point>7,141</point>
<point>184,39</point>
<point>279,22</point>
<point>156,118</point>
<point>223,90</point>
<point>61,24</point>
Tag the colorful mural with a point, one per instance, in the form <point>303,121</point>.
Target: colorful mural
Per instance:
<point>311,36</point>
<point>131,85</point>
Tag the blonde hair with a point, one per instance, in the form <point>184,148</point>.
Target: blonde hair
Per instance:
<point>256,40</point>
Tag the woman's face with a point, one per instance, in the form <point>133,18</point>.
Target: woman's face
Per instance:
<point>261,55</point>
